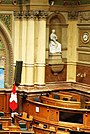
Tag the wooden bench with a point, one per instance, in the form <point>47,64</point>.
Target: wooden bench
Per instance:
<point>5,122</point>
<point>61,95</point>
<point>28,121</point>
<point>69,95</point>
<point>87,104</point>
<point>60,103</point>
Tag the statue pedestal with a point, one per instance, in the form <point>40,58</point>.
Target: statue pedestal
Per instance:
<point>55,61</point>
<point>55,58</point>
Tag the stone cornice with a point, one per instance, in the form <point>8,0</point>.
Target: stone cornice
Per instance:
<point>9,7</point>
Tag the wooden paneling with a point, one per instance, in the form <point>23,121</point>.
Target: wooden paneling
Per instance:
<point>69,96</point>
<point>84,75</point>
<point>50,77</point>
<point>52,116</point>
<point>60,103</point>
<point>2,102</point>
<point>27,120</point>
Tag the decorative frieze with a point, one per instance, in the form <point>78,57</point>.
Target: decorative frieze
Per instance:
<point>7,20</point>
<point>24,14</point>
<point>19,15</point>
<point>30,14</point>
<point>84,17</point>
<point>40,14</point>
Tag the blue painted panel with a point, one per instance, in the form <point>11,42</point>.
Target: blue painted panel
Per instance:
<point>1,78</point>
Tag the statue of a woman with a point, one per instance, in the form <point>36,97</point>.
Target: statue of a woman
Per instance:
<point>54,45</point>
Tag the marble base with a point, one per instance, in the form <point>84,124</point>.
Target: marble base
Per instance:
<point>55,62</point>
<point>55,58</point>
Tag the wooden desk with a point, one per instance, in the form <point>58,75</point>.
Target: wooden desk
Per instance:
<point>87,104</point>
<point>51,116</point>
<point>17,119</point>
<point>64,96</point>
<point>60,103</point>
<point>5,122</point>
<point>69,95</point>
<point>16,132</point>
<point>39,130</point>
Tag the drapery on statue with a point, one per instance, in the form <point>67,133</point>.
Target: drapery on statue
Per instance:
<point>54,45</point>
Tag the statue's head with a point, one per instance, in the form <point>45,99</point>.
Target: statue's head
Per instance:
<point>53,30</point>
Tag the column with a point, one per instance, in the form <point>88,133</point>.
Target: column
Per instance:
<point>16,39</point>
<point>30,51</point>
<point>47,42</point>
<point>40,58</point>
<point>16,36</point>
<point>22,48</point>
<point>72,50</point>
<point>35,49</point>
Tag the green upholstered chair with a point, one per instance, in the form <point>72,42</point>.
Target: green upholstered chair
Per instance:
<point>0,126</point>
<point>1,114</point>
<point>22,126</point>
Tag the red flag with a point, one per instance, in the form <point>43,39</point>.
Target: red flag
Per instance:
<point>13,99</point>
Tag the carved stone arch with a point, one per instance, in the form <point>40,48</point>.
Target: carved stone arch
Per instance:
<point>60,17</point>
<point>6,40</point>
<point>54,61</point>
<point>55,21</point>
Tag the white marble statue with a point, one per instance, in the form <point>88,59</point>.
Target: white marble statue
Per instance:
<point>54,45</point>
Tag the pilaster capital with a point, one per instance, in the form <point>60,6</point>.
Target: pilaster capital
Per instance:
<point>31,15</point>
<point>73,15</point>
<point>41,14</point>
<point>18,15</point>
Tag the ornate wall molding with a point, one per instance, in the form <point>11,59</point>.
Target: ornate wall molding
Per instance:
<point>7,42</point>
<point>84,17</point>
<point>73,15</point>
<point>30,14</point>
<point>7,20</point>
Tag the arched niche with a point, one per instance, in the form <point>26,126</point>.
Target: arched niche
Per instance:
<point>6,41</point>
<point>58,22</point>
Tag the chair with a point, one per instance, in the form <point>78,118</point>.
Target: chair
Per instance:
<point>0,126</point>
<point>73,99</point>
<point>30,117</point>
<point>37,99</point>
<point>24,115</point>
<point>44,126</point>
<point>56,96</point>
<point>52,128</point>
<point>88,107</point>
<point>63,132</point>
<point>1,114</point>
<point>65,99</point>
<point>22,126</point>
<point>40,125</point>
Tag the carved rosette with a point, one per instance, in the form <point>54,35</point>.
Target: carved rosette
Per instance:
<point>84,17</point>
